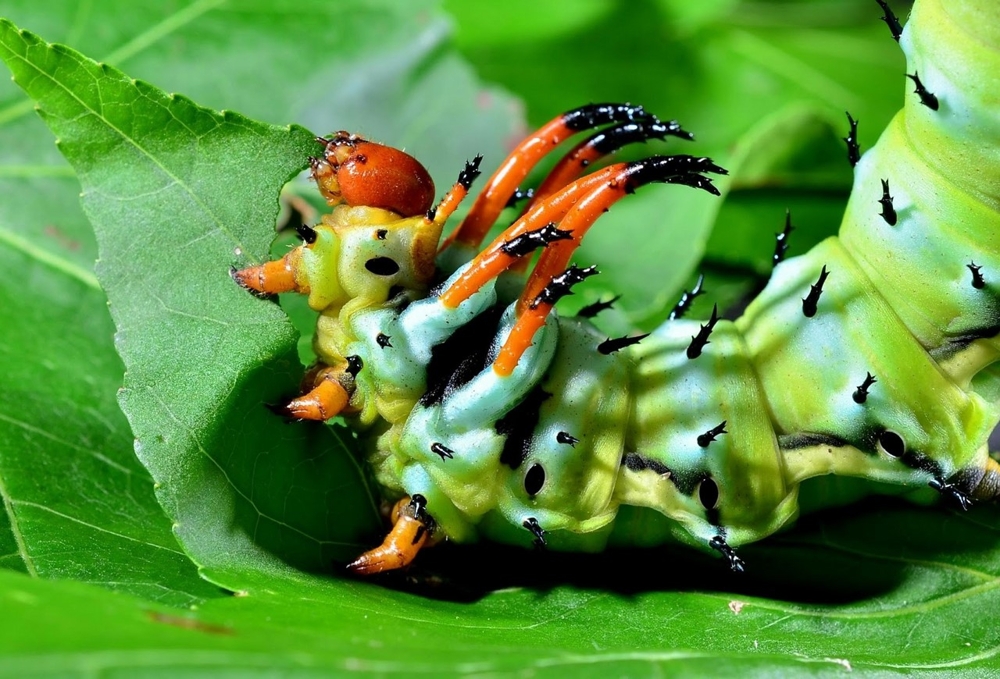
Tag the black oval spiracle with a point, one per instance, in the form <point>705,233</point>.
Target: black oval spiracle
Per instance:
<point>892,443</point>
<point>382,266</point>
<point>708,493</point>
<point>534,479</point>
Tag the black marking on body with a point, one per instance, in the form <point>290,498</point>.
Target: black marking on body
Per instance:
<point>958,344</point>
<point>530,241</point>
<point>382,266</point>
<point>562,284</point>
<point>978,282</point>
<point>888,211</point>
<point>518,425</point>
<point>812,299</point>
<point>719,544</point>
<point>566,439</point>
<point>809,440</point>
<point>354,365</point>
<point>709,436</point>
<point>781,240</point>
<point>592,115</point>
<point>519,195</point>
<point>895,28</point>
<point>926,98</point>
<point>894,445</point>
<point>442,450</point>
<point>591,310</point>
<point>381,234</point>
<point>383,340</point>
<point>861,393</point>
<point>610,346</point>
<point>531,523</point>
<point>306,233</point>
<point>460,357</point>
<point>853,149</point>
<point>699,341</point>
<point>534,479</point>
<point>635,462</point>
<point>687,299</point>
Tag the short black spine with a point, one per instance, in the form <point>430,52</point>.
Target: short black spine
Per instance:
<point>709,436</point>
<point>306,233</point>
<point>610,346</point>
<point>443,451</point>
<point>815,290</point>
<point>562,284</point>
<point>591,310</point>
<point>890,20</point>
<point>781,241</point>
<point>978,282</point>
<point>861,393</point>
<point>888,211</point>
<point>687,298</point>
<point>699,341</point>
<point>853,149</point>
<point>926,98</point>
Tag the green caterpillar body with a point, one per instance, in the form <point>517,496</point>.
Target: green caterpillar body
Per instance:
<point>871,356</point>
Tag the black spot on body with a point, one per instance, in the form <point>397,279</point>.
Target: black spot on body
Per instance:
<point>534,479</point>
<point>382,266</point>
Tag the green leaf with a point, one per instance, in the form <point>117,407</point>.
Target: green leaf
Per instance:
<point>183,187</point>
<point>909,607</point>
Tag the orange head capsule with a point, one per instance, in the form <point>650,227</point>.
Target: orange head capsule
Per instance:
<point>362,173</point>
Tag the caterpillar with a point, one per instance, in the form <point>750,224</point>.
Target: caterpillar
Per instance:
<point>487,415</point>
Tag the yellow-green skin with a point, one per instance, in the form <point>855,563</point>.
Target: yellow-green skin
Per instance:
<point>898,304</point>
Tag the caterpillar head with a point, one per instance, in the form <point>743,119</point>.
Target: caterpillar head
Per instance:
<point>377,241</point>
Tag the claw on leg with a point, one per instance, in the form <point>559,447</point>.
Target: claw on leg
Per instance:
<point>410,532</point>
<point>271,277</point>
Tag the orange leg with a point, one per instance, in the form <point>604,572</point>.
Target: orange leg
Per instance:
<point>411,529</point>
<point>459,190</point>
<point>326,399</point>
<point>533,306</point>
<point>271,277</point>
<point>504,182</point>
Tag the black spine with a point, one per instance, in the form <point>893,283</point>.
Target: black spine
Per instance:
<point>306,233</point>
<point>926,98</point>
<point>699,341</point>
<point>442,450</point>
<point>978,282</point>
<point>890,20</point>
<point>591,310</point>
<point>561,284</point>
<point>781,240</point>
<point>687,298</point>
<point>531,523</point>
<point>861,393</point>
<point>383,340</point>
<point>709,436</point>
<point>566,438</point>
<point>888,211</point>
<point>853,149</point>
<point>610,346</point>
<point>812,299</point>
<point>530,241</point>
<point>354,365</point>
<point>470,172</point>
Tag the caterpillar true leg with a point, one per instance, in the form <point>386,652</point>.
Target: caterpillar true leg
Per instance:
<point>412,529</point>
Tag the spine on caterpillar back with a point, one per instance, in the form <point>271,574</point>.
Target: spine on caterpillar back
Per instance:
<point>938,264</point>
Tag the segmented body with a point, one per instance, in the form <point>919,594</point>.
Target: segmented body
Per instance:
<point>870,356</point>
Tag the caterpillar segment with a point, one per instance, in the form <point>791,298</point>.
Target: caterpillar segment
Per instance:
<point>490,416</point>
